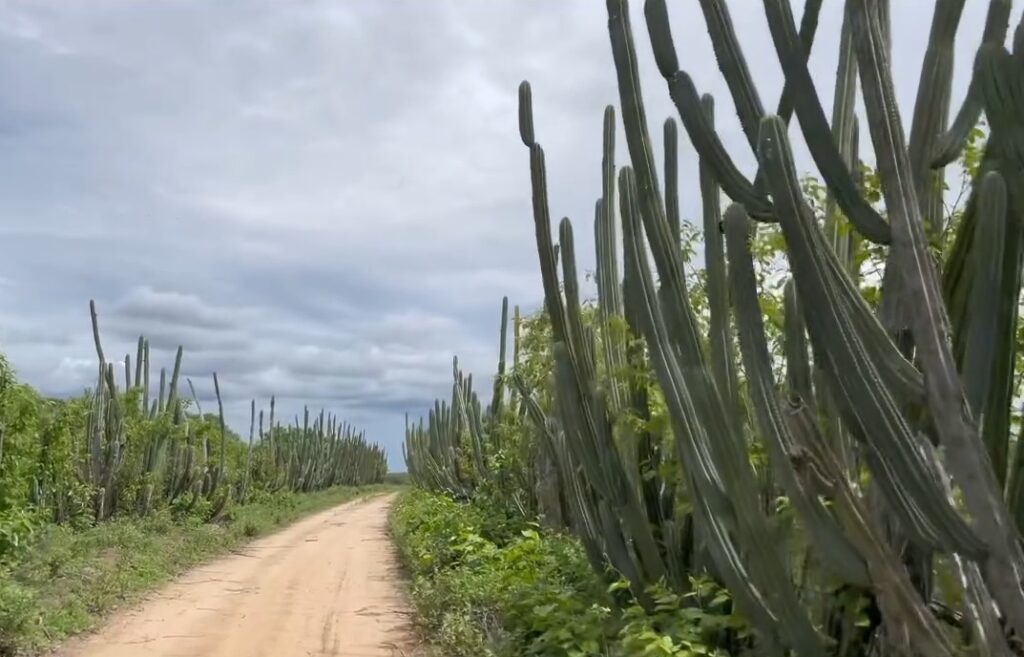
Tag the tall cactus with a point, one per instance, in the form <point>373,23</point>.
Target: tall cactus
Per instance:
<point>898,389</point>
<point>889,433</point>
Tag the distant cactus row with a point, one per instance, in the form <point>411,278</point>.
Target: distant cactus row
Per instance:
<point>882,472</point>
<point>140,453</point>
<point>434,452</point>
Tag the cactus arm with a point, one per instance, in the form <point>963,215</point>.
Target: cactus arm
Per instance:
<point>1003,154</point>
<point>966,456</point>
<point>931,111</point>
<point>906,472</point>
<point>221,471</point>
<point>899,601</point>
<point>1015,479</point>
<point>695,399</point>
<point>583,410</point>
<point>798,365</point>
<point>808,28</point>
<point>671,138</point>
<point>609,293</point>
<point>987,634</point>
<point>658,492</point>
<point>744,94</point>
<point>723,481</point>
<point>687,101</point>
<point>591,424</point>
<point>995,422</point>
<point>541,214</point>
<point>990,237</point>
<point>162,392</point>
<point>609,305</point>
<point>577,338</point>
<point>138,363</point>
<point>248,451</point>
<point>648,199</point>
<point>195,398</point>
<point>612,294</point>
<point>580,503</point>
<point>96,332</point>
<point>951,143</point>
<point>705,483</point>
<point>591,445</point>
<point>846,136</point>
<point>815,127</point>
<point>145,378</point>
<point>842,558</point>
<point>499,381</point>
<point>172,394</point>
<point>733,66</point>
<point>721,350</point>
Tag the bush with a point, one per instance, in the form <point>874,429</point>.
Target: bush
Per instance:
<point>485,584</point>
<point>17,605</point>
<point>16,528</point>
<point>481,591</point>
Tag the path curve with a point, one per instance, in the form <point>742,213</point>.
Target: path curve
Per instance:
<point>326,586</point>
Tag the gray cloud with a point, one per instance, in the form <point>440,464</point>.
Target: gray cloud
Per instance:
<point>323,201</point>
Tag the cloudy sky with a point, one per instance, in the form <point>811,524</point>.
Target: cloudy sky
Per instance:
<point>320,200</point>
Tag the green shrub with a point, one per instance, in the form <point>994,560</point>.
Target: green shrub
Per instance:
<point>16,613</point>
<point>17,527</point>
<point>486,584</point>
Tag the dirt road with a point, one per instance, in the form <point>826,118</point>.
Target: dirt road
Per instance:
<point>326,586</point>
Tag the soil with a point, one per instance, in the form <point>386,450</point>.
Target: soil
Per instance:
<point>327,586</point>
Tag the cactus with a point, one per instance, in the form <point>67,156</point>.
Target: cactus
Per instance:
<point>498,399</point>
<point>145,376</point>
<point>453,450</point>
<point>956,429</point>
<point>139,355</point>
<point>889,435</point>
<point>721,342</point>
<point>105,432</point>
<point>172,394</point>
<point>950,144</point>
<point>867,393</point>
<point>248,452</point>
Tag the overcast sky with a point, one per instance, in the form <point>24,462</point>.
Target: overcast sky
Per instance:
<point>321,200</point>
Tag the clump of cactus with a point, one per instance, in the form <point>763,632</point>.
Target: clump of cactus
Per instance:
<point>322,453</point>
<point>889,433</point>
<point>142,453</point>
<point>452,451</point>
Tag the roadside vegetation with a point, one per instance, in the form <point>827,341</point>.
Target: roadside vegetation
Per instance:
<point>806,445</point>
<point>107,494</point>
<point>486,583</point>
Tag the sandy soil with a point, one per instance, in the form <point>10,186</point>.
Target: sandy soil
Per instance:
<point>325,586</point>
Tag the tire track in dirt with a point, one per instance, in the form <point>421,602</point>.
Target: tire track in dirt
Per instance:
<point>327,586</point>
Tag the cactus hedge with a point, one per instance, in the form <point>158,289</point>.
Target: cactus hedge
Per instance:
<point>871,461</point>
<point>116,451</point>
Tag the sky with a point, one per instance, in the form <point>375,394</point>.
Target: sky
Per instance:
<point>320,200</point>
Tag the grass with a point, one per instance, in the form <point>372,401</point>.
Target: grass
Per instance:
<point>68,581</point>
